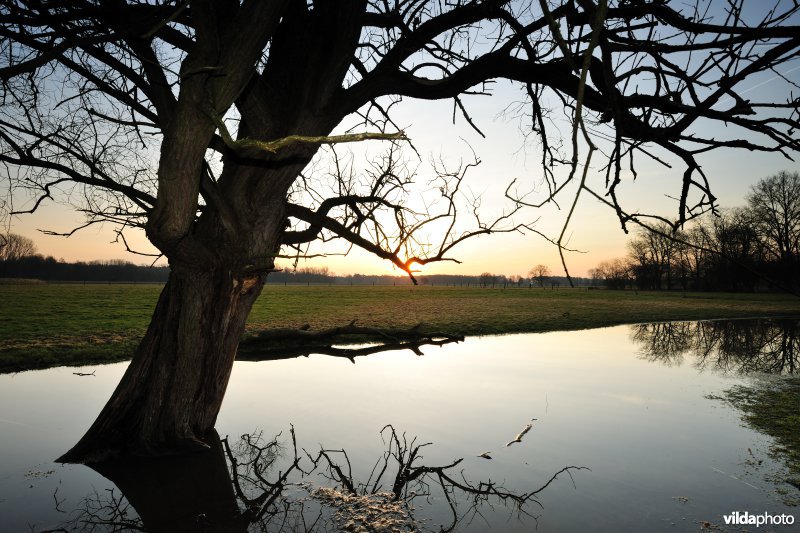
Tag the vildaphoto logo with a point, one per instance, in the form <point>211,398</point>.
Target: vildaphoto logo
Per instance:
<point>738,518</point>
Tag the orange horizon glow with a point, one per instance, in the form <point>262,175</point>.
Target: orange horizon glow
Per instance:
<point>99,246</point>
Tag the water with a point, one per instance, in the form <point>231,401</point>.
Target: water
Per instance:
<point>633,404</point>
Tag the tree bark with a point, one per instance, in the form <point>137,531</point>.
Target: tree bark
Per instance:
<point>168,400</point>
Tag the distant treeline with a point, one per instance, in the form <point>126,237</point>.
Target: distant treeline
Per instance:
<point>723,253</point>
<point>52,269</point>
<point>755,247</point>
<point>323,276</point>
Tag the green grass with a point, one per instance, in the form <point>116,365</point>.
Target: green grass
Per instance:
<point>46,325</point>
<point>477,311</point>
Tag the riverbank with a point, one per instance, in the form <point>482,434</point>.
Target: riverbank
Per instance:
<point>52,325</point>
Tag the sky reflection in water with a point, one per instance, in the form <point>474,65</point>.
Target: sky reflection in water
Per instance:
<point>628,402</point>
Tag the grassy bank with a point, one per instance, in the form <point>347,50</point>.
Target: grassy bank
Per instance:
<point>46,325</point>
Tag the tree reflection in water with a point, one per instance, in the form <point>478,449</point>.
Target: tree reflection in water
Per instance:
<point>731,346</point>
<point>255,484</point>
<point>745,347</point>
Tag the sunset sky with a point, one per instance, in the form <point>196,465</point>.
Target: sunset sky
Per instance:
<point>505,156</point>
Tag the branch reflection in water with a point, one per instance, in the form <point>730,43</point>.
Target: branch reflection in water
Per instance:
<point>731,346</point>
<point>258,484</point>
<point>255,484</point>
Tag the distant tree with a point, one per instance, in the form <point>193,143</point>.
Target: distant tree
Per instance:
<point>774,207</point>
<point>738,250</point>
<point>487,279</point>
<point>652,255</point>
<point>615,274</point>
<point>689,258</point>
<point>540,273</point>
<point>14,247</point>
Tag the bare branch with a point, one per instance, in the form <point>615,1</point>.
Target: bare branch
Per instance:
<point>290,140</point>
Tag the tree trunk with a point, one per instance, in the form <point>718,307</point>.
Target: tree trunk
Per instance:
<point>168,400</point>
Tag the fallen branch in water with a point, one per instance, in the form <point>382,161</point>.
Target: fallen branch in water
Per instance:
<point>287,343</point>
<point>304,333</point>
<point>290,352</point>
<point>522,433</point>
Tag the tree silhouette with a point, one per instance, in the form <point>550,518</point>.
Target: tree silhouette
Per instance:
<point>539,273</point>
<point>197,121</point>
<point>14,247</point>
<point>774,203</point>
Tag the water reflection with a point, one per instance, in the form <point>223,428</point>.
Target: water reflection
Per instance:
<point>744,347</point>
<point>164,494</point>
<point>256,484</point>
<point>735,346</point>
<point>648,431</point>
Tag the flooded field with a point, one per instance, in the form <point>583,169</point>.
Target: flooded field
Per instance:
<point>632,419</point>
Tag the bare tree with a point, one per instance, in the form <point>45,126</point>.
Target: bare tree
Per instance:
<point>200,122</point>
<point>774,204</point>
<point>734,238</point>
<point>13,247</point>
<point>693,258</point>
<point>539,273</point>
<point>615,274</point>
<point>487,279</point>
<point>653,255</point>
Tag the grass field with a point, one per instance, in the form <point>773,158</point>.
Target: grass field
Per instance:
<point>46,325</point>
